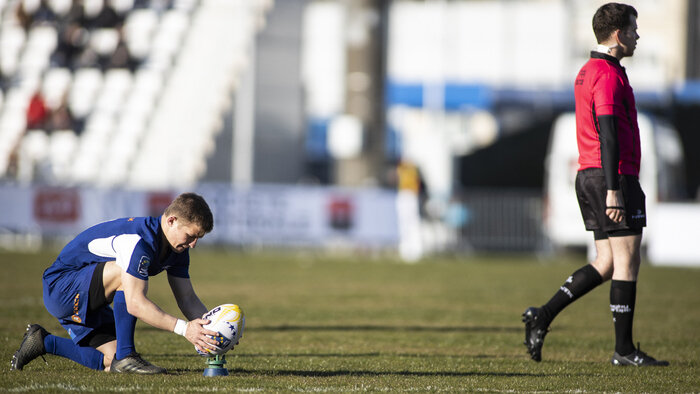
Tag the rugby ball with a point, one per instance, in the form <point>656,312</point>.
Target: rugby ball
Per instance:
<point>228,321</point>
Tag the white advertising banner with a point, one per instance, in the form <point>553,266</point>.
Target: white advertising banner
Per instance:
<point>258,215</point>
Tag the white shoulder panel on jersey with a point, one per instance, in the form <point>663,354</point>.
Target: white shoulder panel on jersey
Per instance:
<point>102,247</point>
<point>123,246</point>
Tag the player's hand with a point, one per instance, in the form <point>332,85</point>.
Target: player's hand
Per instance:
<point>614,206</point>
<point>199,336</point>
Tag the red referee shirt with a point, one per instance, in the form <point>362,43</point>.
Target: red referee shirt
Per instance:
<point>602,88</point>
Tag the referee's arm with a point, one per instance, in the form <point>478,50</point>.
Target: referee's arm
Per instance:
<point>610,158</point>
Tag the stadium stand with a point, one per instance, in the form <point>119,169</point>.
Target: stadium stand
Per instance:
<point>98,92</point>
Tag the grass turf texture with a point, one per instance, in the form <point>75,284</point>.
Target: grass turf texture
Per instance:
<point>323,324</point>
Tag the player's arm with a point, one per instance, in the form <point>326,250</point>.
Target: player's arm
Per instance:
<point>610,158</point>
<point>188,302</point>
<point>138,305</point>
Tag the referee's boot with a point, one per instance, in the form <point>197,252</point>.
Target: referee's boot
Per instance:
<point>638,359</point>
<point>535,331</point>
<point>32,346</point>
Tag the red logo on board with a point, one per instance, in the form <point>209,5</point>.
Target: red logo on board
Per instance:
<point>57,205</point>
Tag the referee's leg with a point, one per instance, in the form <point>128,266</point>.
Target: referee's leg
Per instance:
<point>626,256</point>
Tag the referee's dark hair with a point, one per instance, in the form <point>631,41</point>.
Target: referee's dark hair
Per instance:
<point>611,17</point>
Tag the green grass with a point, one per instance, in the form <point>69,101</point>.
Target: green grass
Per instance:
<point>329,324</point>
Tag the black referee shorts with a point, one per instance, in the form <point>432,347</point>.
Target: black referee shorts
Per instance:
<point>591,191</point>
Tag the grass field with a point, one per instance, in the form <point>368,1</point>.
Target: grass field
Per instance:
<point>330,324</point>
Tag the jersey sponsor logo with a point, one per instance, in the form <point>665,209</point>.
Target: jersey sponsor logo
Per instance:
<point>143,265</point>
<point>76,309</point>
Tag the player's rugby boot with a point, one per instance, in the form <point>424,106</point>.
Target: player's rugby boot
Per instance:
<point>638,358</point>
<point>32,346</point>
<point>133,363</point>
<point>535,332</point>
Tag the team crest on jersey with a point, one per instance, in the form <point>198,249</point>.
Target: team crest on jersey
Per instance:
<point>143,265</point>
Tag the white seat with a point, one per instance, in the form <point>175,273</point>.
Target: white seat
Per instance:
<point>35,144</point>
<point>55,86</point>
<point>119,79</point>
<point>92,7</point>
<point>104,41</point>
<point>34,149</point>
<point>12,124</point>
<point>139,27</point>
<point>116,84</point>
<point>43,37</point>
<point>174,22</point>
<point>122,6</point>
<point>81,98</point>
<point>62,147</point>
<point>12,40</point>
<point>100,123</point>
<point>12,37</point>
<point>149,80</point>
<point>60,7</point>
<point>185,5</point>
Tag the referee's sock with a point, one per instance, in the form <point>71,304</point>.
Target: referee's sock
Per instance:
<point>125,325</point>
<point>82,355</point>
<point>622,298</point>
<point>578,284</point>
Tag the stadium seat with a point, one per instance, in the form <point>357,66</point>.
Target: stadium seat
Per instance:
<point>104,41</point>
<point>86,83</point>
<point>139,28</point>
<point>55,86</point>
<point>12,40</point>
<point>12,126</point>
<point>33,151</point>
<point>62,146</point>
<point>124,115</point>
<point>117,82</point>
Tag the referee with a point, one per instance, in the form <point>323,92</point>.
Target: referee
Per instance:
<point>607,187</point>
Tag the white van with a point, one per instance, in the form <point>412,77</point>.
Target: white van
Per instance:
<point>661,177</point>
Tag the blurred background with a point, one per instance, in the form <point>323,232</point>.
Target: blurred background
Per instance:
<point>415,127</point>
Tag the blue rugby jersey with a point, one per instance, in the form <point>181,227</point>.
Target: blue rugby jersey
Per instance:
<point>133,242</point>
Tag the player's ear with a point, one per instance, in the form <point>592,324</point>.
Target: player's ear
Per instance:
<point>171,220</point>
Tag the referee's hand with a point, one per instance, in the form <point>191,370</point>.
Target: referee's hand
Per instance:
<point>614,206</point>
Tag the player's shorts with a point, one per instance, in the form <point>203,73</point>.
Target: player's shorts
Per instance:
<point>591,191</point>
<point>67,296</point>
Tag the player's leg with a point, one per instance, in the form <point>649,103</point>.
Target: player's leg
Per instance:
<point>83,353</point>
<point>37,342</point>
<point>85,308</point>
<point>125,325</point>
<point>125,358</point>
<point>623,293</point>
